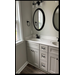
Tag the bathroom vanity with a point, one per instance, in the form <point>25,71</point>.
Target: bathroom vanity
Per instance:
<point>43,54</point>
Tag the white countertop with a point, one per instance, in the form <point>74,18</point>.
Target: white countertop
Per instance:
<point>44,41</point>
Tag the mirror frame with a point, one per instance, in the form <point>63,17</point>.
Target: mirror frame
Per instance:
<point>43,19</point>
<point>53,17</point>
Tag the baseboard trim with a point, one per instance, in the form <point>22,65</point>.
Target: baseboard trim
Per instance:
<point>24,65</point>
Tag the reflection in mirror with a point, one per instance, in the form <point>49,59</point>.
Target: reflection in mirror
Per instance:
<point>38,19</point>
<point>56,18</point>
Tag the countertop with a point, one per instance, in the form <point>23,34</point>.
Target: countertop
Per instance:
<point>44,41</point>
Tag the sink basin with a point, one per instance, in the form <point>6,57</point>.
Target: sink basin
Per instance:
<point>34,39</point>
<point>55,43</point>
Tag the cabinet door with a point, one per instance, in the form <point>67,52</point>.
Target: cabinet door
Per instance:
<point>31,55</point>
<point>36,58</point>
<point>53,64</point>
<point>57,65</point>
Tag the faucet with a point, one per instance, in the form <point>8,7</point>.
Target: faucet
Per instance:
<point>37,36</point>
<point>57,39</point>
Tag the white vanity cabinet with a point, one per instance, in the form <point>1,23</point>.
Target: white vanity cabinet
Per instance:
<point>53,61</point>
<point>33,53</point>
<point>43,56</point>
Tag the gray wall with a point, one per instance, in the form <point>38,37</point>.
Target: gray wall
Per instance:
<point>48,8</point>
<point>20,55</point>
<point>26,15</point>
<point>21,48</point>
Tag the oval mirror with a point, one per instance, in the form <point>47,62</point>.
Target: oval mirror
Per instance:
<point>38,19</point>
<point>56,18</point>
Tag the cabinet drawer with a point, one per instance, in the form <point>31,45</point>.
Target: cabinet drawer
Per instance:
<point>43,65</point>
<point>43,56</point>
<point>53,50</point>
<point>43,48</point>
<point>33,45</point>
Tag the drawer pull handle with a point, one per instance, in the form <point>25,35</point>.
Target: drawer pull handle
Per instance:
<point>43,56</point>
<point>43,65</point>
<point>32,50</point>
<point>42,47</point>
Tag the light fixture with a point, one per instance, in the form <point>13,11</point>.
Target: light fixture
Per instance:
<point>37,3</point>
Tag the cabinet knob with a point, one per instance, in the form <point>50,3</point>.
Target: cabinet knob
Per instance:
<point>57,59</point>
